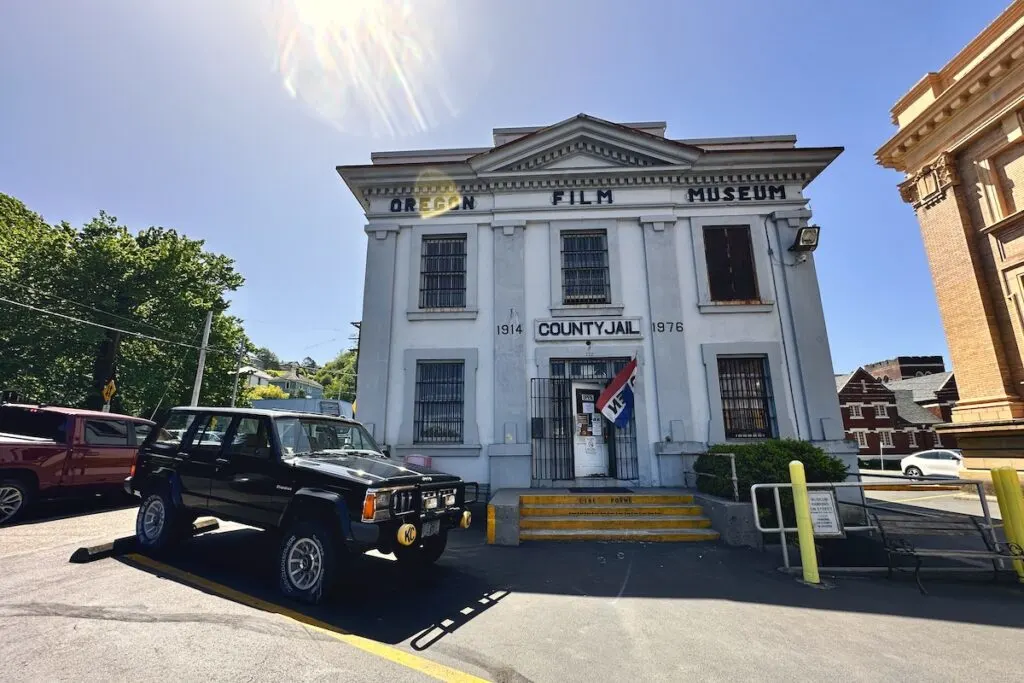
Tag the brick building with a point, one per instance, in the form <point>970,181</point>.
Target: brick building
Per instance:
<point>905,367</point>
<point>960,145</point>
<point>936,393</point>
<point>882,420</point>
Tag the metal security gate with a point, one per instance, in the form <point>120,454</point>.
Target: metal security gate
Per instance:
<point>551,423</point>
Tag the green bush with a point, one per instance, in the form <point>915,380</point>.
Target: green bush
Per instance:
<point>765,462</point>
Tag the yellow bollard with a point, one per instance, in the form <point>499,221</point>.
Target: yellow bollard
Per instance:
<point>1003,499</point>
<point>805,532</point>
<point>1015,503</point>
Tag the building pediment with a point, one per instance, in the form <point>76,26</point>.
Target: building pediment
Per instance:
<point>584,142</point>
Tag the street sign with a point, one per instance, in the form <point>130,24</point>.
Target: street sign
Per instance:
<point>825,514</point>
<point>109,390</point>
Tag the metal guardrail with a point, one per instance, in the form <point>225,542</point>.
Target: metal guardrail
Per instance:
<point>732,469</point>
<point>782,530</point>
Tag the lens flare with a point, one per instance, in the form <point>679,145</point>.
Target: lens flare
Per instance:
<point>367,66</point>
<point>438,194</point>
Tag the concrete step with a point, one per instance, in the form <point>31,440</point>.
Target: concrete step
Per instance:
<point>605,498</point>
<point>594,523</point>
<point>547,510</point>
<point>623,535</point>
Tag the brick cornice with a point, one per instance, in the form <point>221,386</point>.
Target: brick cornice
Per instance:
<point>928,186</point>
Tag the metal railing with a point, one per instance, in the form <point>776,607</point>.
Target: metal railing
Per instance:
<point>732,470</point>
<point>869,525</point>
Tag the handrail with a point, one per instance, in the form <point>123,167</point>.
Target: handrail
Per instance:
<point>732,469</point>
<point>782,529</point>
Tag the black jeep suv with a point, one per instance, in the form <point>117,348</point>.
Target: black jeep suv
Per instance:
<point>321,481</point>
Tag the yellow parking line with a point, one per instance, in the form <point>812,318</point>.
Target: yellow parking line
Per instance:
<point>394,654</point>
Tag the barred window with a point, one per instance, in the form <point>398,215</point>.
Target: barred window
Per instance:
<point>862,439</point>
<point>730,260</point>
<point>748,408</point>
<point>881,410</point>
<point>585,277</point>
<point>443,272</point>
<point>440,402</point>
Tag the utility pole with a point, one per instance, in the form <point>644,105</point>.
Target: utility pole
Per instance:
<point>238,370</point>
<point>202,359</point>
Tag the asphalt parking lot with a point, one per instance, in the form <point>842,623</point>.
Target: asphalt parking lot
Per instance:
<point>541,612</point>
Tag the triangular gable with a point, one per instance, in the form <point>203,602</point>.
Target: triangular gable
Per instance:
<point>856,376</point>
<point>585,142</point>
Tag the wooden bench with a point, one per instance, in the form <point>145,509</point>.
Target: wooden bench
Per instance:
<point>895,530</point>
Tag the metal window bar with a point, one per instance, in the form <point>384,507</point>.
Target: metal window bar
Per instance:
<point>748,407</point>
<point>443,272</point>
<point>552,422</point>
<point>439,406</point>
<point>585,275</point>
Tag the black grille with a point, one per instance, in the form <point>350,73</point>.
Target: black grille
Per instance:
<point>403,501</point>
<point>585,278</point>
<point>552,422</point>
<point>748,409</point>
<point>443,272</point>
<point>438,412</point>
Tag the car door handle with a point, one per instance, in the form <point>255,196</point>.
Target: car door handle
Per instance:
<point>222,461</point>
<point>180,457</point>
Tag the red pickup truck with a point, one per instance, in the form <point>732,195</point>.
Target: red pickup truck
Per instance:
<point>50,452</point>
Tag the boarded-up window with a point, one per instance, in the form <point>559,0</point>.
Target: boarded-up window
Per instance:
<point>730,259</point>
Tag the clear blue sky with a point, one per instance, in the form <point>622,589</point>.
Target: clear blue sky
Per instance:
<point>181,113</point>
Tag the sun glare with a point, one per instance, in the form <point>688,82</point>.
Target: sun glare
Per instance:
<point>366,66</point>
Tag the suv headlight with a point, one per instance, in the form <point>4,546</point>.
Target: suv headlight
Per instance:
<point>376,506</point>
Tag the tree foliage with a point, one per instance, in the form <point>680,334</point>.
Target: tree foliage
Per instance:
<point>154,282</point>
<point>338,376</point>
<point>267,358</point>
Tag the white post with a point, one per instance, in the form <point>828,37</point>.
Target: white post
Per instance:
<point>202,360</point>
<point>238,369</point>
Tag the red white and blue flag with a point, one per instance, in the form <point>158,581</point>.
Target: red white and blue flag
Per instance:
<point>616,401</point>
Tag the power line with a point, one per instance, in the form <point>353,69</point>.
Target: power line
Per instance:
<point>91,308</point>
<point>108,327</point>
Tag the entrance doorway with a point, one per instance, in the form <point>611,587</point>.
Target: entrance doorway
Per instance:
<point>569,442</point>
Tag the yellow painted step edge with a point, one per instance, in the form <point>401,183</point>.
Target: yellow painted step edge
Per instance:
<point>613,524</point>
<point>605,499</point>
<point>542,510</point>
<point>670,537</point>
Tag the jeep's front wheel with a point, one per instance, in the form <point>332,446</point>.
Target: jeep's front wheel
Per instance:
<point>423,552</point>
<point>306,561</point>
<point>158,524</point>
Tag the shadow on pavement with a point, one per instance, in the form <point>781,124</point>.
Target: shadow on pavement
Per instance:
<point>380,600</point>
<point>66,508</point>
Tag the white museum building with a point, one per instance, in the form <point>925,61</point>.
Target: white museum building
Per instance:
<point>506,286</point>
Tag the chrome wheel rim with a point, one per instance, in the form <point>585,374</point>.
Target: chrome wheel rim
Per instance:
<point>305,563</point>
<point>11,500</point>
<point>153,516</point>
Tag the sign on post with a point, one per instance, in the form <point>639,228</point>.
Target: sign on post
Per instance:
<point>825,514</point>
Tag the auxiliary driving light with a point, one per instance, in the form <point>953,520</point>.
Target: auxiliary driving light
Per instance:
<point>406,534</point>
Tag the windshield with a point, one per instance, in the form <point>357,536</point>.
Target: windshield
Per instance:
<point>305,435</point>
<point>32,422</point>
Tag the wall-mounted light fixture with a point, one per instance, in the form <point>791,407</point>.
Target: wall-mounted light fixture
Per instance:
<point>806,239</point>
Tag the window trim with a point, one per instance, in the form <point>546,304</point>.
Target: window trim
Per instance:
<point>560,309</point>
<point>785,418</point>
<point>857,435</point>
<point>860,411</point>
<point>881,406</point>
<point>470,446</point>
<point>762,265</point>
<point>911,438</point>
<point>417,233</point>
<point>881,441</point>
<point>129,431</point>
<point>450,238</point>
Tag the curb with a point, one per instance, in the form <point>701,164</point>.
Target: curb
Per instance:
<point>127,544</point>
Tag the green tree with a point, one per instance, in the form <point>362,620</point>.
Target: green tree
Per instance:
<point>267,358</point>
<point>154,282</point>
<point>338,376</point>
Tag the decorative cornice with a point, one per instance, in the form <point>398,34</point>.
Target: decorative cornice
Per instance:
<point>540,184</point>
<point>600,150</point>
<point>928,186</point>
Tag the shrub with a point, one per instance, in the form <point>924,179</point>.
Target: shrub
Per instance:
<point>765,462</point>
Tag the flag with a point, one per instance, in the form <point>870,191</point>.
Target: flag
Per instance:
<point>616,401</point>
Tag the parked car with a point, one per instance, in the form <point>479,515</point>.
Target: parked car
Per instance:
<point>937,462</point>
<point>49,452</point>
<point>321,482</point>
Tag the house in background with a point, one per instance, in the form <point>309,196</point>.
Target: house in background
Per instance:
<point>905,367</point>
<point>883,420</point>
<point>253,376</point>
<point>937,393</point>
<point>297,386</point>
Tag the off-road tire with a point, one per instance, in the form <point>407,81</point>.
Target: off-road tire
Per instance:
<point>15,496</point>
<point>307,561</point>
<point>159,524</point>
